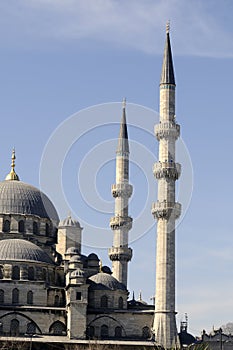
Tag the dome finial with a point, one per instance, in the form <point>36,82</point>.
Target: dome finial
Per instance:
<point>12,175</point>
<point>100,266</point>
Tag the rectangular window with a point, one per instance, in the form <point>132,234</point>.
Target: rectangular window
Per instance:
<point>78,295</point>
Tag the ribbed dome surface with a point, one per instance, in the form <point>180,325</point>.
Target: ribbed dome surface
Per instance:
<point>22,250</point>
<point>17,197</point>
<point>69,221</point>
<point>105,281</point>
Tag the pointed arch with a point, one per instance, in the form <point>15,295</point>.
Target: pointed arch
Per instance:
<point>21,226</point>
<point>15,273</point>
<point>104,301</point>
<point>30,297</point>
<point>57,328</point>
<point>104,331</point>
<point>14,327</point>
<point>15,296</point>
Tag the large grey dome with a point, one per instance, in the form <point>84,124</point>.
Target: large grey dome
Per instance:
<point>22,250</point>
<point>105,281</point>
<point>17,197</point>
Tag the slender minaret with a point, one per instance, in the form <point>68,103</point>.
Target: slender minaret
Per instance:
<point>121,223</point>
<point>166,210</point>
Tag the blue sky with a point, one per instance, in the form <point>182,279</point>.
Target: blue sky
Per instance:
<point>60,57</point>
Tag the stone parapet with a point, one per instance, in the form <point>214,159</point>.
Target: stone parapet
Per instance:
<point>120,253</point>
<point>117,222</point>
<point>165,130</point>
<point>168,170</point>
<point>163,210</point>
<point>122,190</point>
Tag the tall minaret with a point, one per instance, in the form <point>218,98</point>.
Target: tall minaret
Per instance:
<point>121,223</point>
<point>166,210</point>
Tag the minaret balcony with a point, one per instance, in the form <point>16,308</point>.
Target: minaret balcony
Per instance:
<point>165,130</point>
<point>169,170</point>
<point>122,190</point>
<point>118,222</point>
<point>120,254</point>
<point>163,210</point>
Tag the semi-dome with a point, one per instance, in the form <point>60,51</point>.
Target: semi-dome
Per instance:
<point>17,197</point>
<point>93,256</point>
<point>22,250</point>
<point>72,251</point>
<point>105,281</point>
<point>75,258</point>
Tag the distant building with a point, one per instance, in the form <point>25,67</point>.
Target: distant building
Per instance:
<point>217,340</point>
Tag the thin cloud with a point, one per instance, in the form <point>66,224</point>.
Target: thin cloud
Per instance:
<point>131,25</point>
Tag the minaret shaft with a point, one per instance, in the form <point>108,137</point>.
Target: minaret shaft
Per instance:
<point>166,210</point>
<point>121,223</point>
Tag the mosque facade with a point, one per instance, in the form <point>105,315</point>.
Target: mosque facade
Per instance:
<point>48,287</point>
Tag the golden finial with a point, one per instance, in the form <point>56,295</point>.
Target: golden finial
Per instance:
<point>101,265</point>
<point>168,27</point>
<point>124,103</point>
<point>12,175</point>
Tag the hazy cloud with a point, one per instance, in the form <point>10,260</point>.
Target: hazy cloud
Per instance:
<point>139,25</point>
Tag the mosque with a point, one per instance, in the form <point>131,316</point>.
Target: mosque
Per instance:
<point>49,288</point>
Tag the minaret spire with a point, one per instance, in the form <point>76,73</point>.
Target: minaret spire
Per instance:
<point>167,75</point>
<point>166,210</point>
<point>12,174</point>
<point>121,223</point>
<point>123,143</point>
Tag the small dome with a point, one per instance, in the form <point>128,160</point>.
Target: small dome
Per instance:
<point>93,256</point>
<point>22,250</point>
<point>77,274</point>
<point>105,281</point>
<point>72,251</point>
<point>17,197</point>
<point>106,269</point>
<point>69,221</point>
<point>75,258</point>
<point>186,338</point>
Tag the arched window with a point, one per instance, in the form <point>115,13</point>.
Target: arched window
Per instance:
<point>118,332</point>
<point>146,332</point>
<point>21,226</point>
<point>120,303</point>
<point>44,275</point>
<point>6,226</point>
<point>15,296</point>
<point>104,301</point>
<point>35,228</point>
<point>15,273</point>
<point>57,328</point>
<point>56,300</point>
<point>1,296</point>
<point>47,229</point>
<point>31,328</point>
<point>30,297</point>
<point>104,331</point>
<point>31,273</point>
<point>14,330</point>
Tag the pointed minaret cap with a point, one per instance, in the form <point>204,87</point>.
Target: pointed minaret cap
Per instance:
<point>167,75</point>
<point>12,174</point>
<point>123,144</point>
